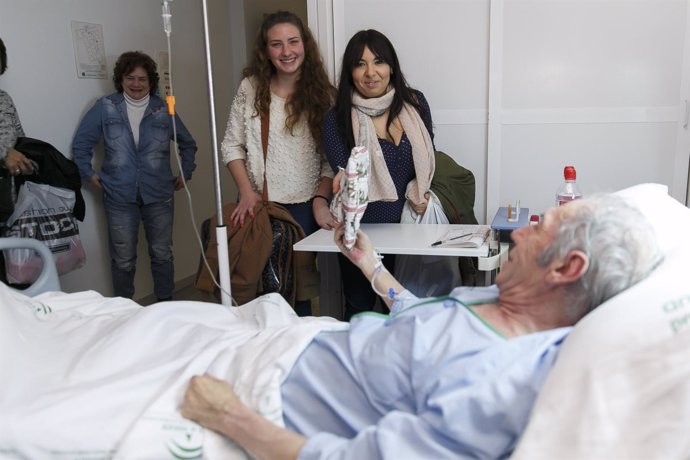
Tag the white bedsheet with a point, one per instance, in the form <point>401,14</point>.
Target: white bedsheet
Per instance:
<point>88,377</point>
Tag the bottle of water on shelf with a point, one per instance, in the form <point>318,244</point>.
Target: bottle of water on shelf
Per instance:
<point>568,191</point>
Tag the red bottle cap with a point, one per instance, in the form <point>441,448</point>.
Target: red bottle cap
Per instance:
<point>569,173</point>
<point>533,219</point>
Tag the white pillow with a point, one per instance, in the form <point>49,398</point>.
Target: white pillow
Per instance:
<point>621,385</point>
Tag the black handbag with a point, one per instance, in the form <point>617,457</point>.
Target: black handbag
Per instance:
<point>6,203</point>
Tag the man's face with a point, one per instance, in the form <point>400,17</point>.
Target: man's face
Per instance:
<point>522,268</point>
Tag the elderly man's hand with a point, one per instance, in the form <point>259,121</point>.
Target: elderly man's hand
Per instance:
<point>362,254</point>
<point>211,403</point>
<point>208,400</point>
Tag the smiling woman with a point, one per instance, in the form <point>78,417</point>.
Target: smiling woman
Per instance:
<point>136,84</point>
<point>371,75</point>
<point>286,52</point>
<point>271,145</point>
<point>136,179</point>
<point>377,109</point>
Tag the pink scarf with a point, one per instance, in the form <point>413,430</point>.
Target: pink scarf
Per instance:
<point>381,187</point>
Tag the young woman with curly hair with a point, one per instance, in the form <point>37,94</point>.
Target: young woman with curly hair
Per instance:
<point>286,82</point>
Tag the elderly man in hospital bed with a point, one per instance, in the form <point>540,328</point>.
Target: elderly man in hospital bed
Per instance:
<point>450,377</point>
<point>437,378</point>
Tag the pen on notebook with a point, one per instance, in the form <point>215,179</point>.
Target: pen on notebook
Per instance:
<point>440,242</point>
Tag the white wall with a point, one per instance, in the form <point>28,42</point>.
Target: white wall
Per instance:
<point>520,88</point>
<point>51,100</point>
<point>595,84</point>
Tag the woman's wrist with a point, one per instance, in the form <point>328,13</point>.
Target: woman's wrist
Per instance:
<point>323,198</point>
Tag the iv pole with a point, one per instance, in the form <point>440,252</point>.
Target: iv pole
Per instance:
<point>221,229</point>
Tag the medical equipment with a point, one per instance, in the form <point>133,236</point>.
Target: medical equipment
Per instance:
<point>48,278</point>
<point>223,281</point>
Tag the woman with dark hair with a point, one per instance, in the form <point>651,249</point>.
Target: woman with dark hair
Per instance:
<point>377,109</point>
<point>135,177</point>
<point>285,86</point>
<point>13,162</point>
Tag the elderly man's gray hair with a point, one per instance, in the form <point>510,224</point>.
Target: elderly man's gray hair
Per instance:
<point>619,242</point>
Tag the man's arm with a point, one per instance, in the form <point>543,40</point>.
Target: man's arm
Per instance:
<point>211,403</point>
<point>364,256</point>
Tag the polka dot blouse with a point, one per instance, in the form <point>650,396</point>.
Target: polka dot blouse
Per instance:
<point>398,160</point>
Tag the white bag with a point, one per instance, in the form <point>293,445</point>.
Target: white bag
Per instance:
<point>427,276</point>
<point>44,213</point>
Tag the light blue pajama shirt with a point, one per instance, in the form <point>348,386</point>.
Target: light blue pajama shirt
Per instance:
<point>430,380</point>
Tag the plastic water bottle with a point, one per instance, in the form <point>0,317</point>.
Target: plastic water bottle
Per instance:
<point>568,191</point>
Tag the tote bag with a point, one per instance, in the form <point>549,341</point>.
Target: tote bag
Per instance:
<point>44,213</point>
<point>427,276</point>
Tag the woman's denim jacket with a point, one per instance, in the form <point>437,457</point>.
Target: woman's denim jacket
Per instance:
<point>128,169</point>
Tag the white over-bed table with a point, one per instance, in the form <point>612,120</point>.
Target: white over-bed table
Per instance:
<point>409,239</point>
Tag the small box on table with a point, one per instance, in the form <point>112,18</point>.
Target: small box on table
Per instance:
<point>504,227</point>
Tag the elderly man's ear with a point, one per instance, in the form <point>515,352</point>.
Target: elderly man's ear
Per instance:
<point>569,269</point>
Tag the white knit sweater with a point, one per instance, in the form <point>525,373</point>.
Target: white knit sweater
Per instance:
<point>294,167</point>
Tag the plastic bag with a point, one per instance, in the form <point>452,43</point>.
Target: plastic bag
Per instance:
<point>44,213</point>
<point>427,276</point>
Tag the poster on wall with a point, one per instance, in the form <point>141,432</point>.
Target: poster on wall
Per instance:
<point>89,50</point>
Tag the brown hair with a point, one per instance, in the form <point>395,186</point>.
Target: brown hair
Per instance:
<point>129,61</point>
<point>314,94</point>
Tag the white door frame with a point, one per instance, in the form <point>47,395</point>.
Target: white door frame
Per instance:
<point>681,182</point>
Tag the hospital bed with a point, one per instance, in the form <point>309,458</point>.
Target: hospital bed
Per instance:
<point>92,377</point>
<point>620,388</point>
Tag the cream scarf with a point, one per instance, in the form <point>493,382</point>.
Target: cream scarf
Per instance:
<point>381,186</point>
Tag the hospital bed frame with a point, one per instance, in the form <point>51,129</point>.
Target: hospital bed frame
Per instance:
<point>48,278</point>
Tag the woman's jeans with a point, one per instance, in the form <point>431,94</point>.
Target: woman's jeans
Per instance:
<point>123,232</point>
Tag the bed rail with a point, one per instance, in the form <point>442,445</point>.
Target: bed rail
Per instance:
<point>48,279</point>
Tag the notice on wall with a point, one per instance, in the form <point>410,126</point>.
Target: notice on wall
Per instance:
<point>89,50</point>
